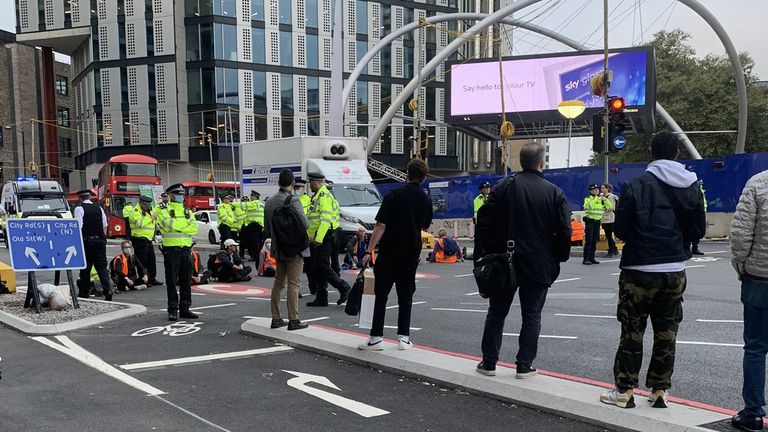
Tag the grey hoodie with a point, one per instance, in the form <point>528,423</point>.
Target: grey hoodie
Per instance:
<point>672,173</point>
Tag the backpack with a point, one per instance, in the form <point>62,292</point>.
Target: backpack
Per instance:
<point>214,264</point>
<point>450,247</point>
<point>289,236</point>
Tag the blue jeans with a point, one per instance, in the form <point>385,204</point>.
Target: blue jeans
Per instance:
<point>754,296</point>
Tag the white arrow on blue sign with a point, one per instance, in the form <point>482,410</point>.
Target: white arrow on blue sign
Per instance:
<point>45,244</point>
<point>619,142</point>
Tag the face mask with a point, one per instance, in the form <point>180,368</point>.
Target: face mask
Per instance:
<point>128,251</point>
<point>179,198</point>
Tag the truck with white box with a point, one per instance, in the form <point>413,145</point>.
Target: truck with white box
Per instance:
<point>344,161</point>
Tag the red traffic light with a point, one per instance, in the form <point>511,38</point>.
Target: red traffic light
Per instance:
<point>617,104</point>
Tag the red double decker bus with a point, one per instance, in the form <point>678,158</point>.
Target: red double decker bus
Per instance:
<point>199,194</point>
<point>118,185</point>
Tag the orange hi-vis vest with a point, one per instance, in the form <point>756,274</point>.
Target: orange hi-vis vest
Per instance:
<point>195,263</point>
<point>440,255</point>
<point>124,261</point>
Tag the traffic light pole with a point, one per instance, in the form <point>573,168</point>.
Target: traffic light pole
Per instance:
<point>607,83</point>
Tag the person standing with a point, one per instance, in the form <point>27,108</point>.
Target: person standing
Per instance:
<point>93,224</point>
<point>320,234</point>
<point>177,226</point>
<point>289,262</point>
<point>336,230</point>
<point>403,214</point>
<point>246,231</point>
<point>481,199</point>
<point>594,209</point>
<point>127,270</point>
<point>238,209</point>
<point>226,219</point>
<point>659,213</point>
<point>695,244</point>
<point>142,221</point>
<point>608,218</point>
<point>256,218</point>
<point>534,214</point>
<point>749,249</point>
<point>300,192</point>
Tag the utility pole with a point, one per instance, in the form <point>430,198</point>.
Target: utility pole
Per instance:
<point>607,89</point>
<point>213,179</point>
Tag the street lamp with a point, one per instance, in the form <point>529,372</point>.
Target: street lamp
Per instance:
<point>570,110</point>
<point>23,149</point>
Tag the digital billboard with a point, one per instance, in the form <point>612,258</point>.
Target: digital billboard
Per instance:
<point>535,85</point>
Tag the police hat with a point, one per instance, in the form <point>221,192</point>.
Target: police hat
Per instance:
<point>255,193</point>
<point>485,185</point>
<point>163,195</point>
<point>300,182</point>
<point>594,186</point>
<point>85,193</point>
<point>315,176</point>
<point>145,199</point>
<point>229,196</point>
<point>176,189</point>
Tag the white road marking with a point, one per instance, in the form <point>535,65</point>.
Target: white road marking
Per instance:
<point>715,252</point>
<point>258,298</point>
<point>615,274</point>
<point>464,275</point>
<point>315,319</point>
<point>709,344</point>
<point>390,327</point>
<point>203,358</point>
<point>719,321</point>
<point>191,414</point>
<point>472,293</point>
<point>544,336</point>
<point>412,304</point>
<point>695,266</point>
<point>302,379</point>
<point>76,352</point>
<point>213,306</point>
<point>610,260</point>
<point>567,280</point>
<point>586,316</point>
<point>459,310</point>
<point>198,294</point>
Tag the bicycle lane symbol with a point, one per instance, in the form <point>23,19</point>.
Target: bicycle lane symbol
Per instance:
<point>181,328</point>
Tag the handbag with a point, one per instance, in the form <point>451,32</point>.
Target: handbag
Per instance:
<point>495,273</point>
<point>355,296</point>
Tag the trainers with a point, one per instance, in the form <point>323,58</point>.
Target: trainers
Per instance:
<point>373,344</point>
<point>139,287</point>
<point>486,369</point>
<point>586,262</point>
<point>616,397</point>
<point>404,343</point>
<point>525,372</point>
<point>658,398</point>
<point>747,422</point>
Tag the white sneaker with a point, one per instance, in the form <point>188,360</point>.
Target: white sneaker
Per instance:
<point>404,343</point>
<point>140,287</point>
<point>373,344</point>
<point>615,397</point>
<point>659,398</point>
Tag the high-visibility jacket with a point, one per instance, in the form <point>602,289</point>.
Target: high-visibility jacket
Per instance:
<point>226,214</point>
<point>159,209</point>
<point>177,226</point>
<point>479,202</point>
<point>336,219</point>
<point>255,212</point>
<point>240,215</point>
<point>306,202</point>
<point>320,215</point>
<point>128,209</point>
<point>595,207</point>
<point>704,195</point>
<point>142,225</point>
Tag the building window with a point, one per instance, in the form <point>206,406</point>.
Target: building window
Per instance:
<point>311,14</point>
<point>62,116</point>
<point>362,17</point>
<point>65,147</point>
<point>313,96</point>
<point>312,52</point>
<point>257,10</point>
<point>285,11</point>
<point>257,46</point>
<point>362,50</point>
<point>259,91</point>
<point>225,7</point>
<point>62,85</point>
<point>286,58</point>
<point>286,92</point>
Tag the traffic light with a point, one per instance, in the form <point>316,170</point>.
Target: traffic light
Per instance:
<point>617,127</point>
<point>598,133</point>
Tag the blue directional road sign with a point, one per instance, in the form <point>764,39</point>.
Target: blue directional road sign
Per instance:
<point>45,244</point>
<point>619,142</point>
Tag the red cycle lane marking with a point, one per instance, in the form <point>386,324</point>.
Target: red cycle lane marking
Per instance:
<point>230,289</point>
<point>690,403</point>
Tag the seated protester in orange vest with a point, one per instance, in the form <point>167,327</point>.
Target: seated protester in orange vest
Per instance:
<point>126,270</point>
<point>447,250</point>
<point>232,267</point>
<point>267,263</point>
<point>199,275</point>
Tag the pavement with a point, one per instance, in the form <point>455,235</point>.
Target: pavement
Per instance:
<point>208,376</point>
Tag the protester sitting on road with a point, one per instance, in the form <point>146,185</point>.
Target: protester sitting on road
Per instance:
<point>232,267</point>
<point>446,251</point>
<point>749,237</point>
<point>267,264</point>
<point>356,247</point>
<point>530,215</point>
<point>127,272</point>
<point>199,276</point>
<point>659,213</point>
<point>577,232</point>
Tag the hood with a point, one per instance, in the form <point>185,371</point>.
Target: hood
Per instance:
<point>365,214</point>
<point>672,173</point>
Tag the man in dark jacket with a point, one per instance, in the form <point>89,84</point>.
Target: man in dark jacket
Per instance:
<point>232,267</point>
<point>534,213</point>
<point>659,214</point>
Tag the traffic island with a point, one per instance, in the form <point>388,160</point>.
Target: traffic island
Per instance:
<point>52,322</point>
<point>567,396</point>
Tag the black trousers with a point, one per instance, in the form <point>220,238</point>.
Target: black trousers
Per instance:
<point>95,255</point>
<point>591,237</point>
<point>608,229</point>
<point>232,275</point>
<point>322,274</point>
<point>254,246</point>
<point>404,279</point>
<point>246,237</point>
<point>532,298</point>
<point>335,252</point>
<point>178,262</point>
<point>145,251</point>
<point>122,285</point>
<point>225,232</point>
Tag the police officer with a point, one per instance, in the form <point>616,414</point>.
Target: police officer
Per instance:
<point>594,210</point>
<point>300,192</point>
<point>142,222</point>
<point>240,215</point>
<point>226,219</point>
<point>321,237</point>
<point>177,226</point>
<point>246,230</point>
<point>93,224</point>
<point>480,200</point>
<point>255,216</point>
<point>336,228</point>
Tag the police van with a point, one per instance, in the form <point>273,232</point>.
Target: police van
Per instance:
<point>32,198</point>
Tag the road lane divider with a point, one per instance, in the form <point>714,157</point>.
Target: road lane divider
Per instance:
<point>459,310</point>
<point>412,304</point>
<point>567,280</point>
<point>204,358</point>
<point>213,306</point>
<point>545,336</point>
<point>586,316</point>
<point>720,321</point>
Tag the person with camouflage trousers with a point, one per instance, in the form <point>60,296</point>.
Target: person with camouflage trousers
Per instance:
<point>659,214</point>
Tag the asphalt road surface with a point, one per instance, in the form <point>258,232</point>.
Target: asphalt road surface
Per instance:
<point>139,374</point>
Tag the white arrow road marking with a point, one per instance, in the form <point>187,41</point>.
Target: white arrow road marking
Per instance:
<point>31,253</point>
<point>302,379</point>
<point>71,251</point>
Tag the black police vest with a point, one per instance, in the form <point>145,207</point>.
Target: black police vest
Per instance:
<point>92,222</point>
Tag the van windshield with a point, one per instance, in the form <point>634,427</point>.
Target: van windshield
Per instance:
<point>362,195</point>
<point>42,203</point>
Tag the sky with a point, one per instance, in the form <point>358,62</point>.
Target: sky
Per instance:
<point>632,22</point>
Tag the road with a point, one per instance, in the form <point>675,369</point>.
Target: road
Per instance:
<point>203,375</point>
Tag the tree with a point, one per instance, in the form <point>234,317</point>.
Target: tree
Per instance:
<point>700,94</point>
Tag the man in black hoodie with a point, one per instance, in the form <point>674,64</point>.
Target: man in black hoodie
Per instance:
<point>659,214</point>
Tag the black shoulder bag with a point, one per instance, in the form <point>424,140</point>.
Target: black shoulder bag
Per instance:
<point>495,273</point>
